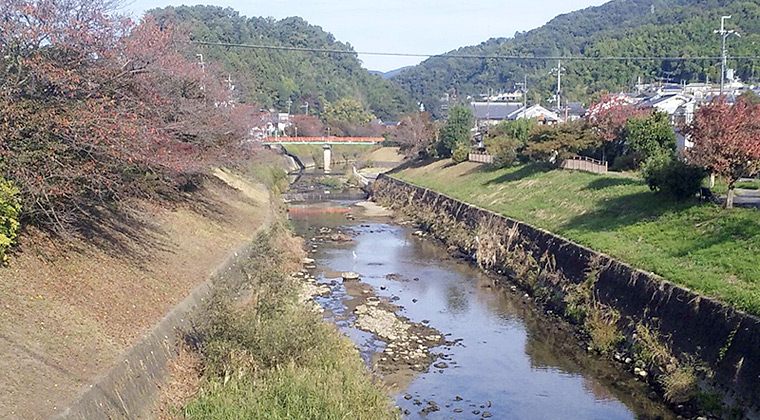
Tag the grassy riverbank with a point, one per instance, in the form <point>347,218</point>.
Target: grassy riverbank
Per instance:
<point>701,246</point>
<point>275,358</point>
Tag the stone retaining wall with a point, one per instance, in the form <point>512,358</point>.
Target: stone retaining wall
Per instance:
<point>726,340</point>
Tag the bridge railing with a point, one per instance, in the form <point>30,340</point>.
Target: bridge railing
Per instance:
<point>324,139</point>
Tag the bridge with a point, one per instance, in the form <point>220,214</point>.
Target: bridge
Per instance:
<point>323,140</point>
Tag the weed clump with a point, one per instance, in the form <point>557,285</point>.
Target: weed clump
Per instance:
<point>276,359</point>
<point>680,385</point>
<point>601,325</point>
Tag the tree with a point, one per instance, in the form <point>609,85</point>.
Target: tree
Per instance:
<point>750,97</point>
<point>97,110</point>
<point>456,132</point>
<point>650,135</point>
<point>347,110</point>
<point>608,118</point>
<point>415,134</point>
<point>308,125</point>
<point>727,140</point>
<point>559,142</point>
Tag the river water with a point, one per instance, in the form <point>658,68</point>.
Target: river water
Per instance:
<point>504,358</point>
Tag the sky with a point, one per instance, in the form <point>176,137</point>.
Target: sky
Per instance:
<point>417,27</point>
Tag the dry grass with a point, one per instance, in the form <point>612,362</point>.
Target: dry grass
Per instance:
<point>185,373</point>
<point>680,385</point>
<point>69,308</point>
<point>601,324</point>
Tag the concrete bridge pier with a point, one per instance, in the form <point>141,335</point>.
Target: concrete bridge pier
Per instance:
<point>327,156</point>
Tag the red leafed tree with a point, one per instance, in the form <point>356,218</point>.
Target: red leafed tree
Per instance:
<point>97,110</point>
<point>727,140</point>
<point>414,134</point>
<point>308,125</point>
<point>608,118</point>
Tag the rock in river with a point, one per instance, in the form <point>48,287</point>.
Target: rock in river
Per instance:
<point>350,275</point>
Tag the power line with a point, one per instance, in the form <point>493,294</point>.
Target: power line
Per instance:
<point>473,56</point>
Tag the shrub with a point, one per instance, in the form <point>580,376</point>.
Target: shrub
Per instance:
<point>460,153</point>
<point>504,150</point>
<point>625,163</point>
<point>673,177</point>
<point>10,210</point>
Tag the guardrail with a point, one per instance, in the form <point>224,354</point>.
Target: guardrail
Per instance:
<point>587,164</point>
<point>480,157</point>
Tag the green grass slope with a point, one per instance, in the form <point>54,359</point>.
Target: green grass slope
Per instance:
<point>701,246</point>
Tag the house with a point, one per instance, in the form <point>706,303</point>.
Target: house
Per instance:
<point>538,112</point>
<point>493,112</point>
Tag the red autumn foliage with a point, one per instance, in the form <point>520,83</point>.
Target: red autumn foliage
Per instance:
<point>609,115</point>
<point>727,140</point>
<point>307,126</point>
<point>96,109</point>
<point>414,134</point>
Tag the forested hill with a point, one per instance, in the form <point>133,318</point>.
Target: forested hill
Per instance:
<point>272,77</point>
<point>617,28</point>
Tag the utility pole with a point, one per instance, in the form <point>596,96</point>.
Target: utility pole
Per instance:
<point>289,104</point>
<point>724,34</point>
<point>524,90</point>
<point>559,70</point>
<point>306,105</point>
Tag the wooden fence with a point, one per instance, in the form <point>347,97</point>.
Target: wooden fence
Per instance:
<point>480,157</point>
<point>582,163</point>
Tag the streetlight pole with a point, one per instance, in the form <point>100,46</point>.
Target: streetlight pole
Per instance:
<point>724,34</point>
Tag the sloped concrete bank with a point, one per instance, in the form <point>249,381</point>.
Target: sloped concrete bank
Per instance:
<point>129,389</point>
<point>693,327</point>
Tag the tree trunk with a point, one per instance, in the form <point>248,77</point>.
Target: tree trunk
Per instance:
<point>730,197</point>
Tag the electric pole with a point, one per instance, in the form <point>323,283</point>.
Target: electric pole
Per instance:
<point>724,34</point>
<point>524,90</point>
<point>559,70</point>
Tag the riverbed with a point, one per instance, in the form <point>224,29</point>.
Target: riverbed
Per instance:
<point>448,339</point>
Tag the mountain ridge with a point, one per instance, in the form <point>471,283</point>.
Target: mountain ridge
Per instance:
<point>679,28</point>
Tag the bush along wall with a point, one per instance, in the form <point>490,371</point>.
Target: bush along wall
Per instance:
<point>700,354</point>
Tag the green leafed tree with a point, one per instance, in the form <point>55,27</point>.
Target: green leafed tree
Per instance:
<point>650,135</point>
<point>456,132</point>
<point>559,142</point>
<point>347,110</point>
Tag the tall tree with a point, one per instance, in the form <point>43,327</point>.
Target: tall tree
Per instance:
<point>347,110</point>
<point>415,134</point>
<point>608,118</point>
<point>727,140</point>
<point>456,132</point>
<point>649,136</point>
<point>307,125</point>
<point>559,142</point>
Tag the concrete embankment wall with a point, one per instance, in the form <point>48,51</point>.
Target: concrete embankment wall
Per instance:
<point>726,340</point>
<point>129,389</point>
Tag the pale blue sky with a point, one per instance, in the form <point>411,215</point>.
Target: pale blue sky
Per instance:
<point>426,27</point>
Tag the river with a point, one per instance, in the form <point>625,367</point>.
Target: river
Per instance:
<point>499,356</point>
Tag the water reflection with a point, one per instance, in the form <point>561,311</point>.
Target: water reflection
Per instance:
<point>512,361</point>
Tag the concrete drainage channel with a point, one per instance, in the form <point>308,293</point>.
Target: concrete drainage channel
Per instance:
<point>129,389</point>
